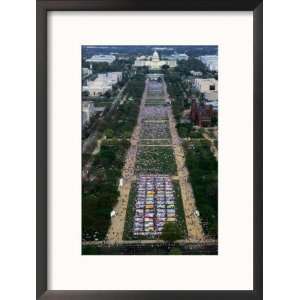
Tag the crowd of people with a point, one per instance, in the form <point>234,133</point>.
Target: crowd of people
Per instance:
<point>155,113</point>
<point>154,130</point>
<point>155,89</point>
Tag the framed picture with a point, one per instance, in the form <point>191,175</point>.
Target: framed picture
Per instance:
<point>149,149</point>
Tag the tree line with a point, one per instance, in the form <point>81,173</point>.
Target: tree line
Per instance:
<point>203,171</point>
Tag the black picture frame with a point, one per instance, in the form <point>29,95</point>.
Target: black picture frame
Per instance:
<point>42,6</point>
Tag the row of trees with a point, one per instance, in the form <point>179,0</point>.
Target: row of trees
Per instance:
<point>203,170</point>
<point>135,86</point>
<point>185,66</point>
<point>123,120</point>
<point>115,66</point>
<point>176,92</point>
<point>187,130</point>
<point>100,195</point>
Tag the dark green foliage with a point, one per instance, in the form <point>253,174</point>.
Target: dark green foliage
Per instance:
<point>186,130</point>
<point>89,250</point>
<point>85,158</point>
<point>149,249</point>
<point>88,128</point>
<point>175,251</point>
<point>214,121</point>
<point>185,66</point>
<point>164,68</point>
<point>203,170</point>
<point>196,134</point>
<point>177,93</point>
<point>170,232</point>
<point>109,133</point>
<point>115,66</point>
<point>216,143</point>
<point>179,211</point>
<point>100,195</point>
<point>128,234</point>
<point>135,86</point>
<point>123,119</point>
<point>85,93</point>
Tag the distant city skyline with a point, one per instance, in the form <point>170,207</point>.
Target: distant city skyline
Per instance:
<point>147,49</point>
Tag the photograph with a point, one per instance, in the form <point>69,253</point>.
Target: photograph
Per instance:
<point>149,149</point>
<point>138,164</point>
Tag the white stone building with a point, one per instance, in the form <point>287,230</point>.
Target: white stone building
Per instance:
<point>196,73</point>
<point>97,87</point>
<point>211,61</point>
<point>100,58</point>
<point>86,72</point>
<point>154,62</point>
<point>209,88</point>
<point>206,85</point>
<point>88,110</point>
<point>178,56</point>
<point>114,77</point>
<point>102,84</point>
<point>211,96</point>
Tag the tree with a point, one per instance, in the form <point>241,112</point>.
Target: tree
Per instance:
<point>214,120</point>
<point>101,67</point>
<point>107,94</point>
<point>170,232</point>
<point>127,134</point>
<point>165,68</point>
<point>109,133</point>
<point>185,66</point>
<point>175,251</point>
<point>85,93</point>
<point>107,157</point>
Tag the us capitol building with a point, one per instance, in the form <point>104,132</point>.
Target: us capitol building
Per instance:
<point>154,62</point>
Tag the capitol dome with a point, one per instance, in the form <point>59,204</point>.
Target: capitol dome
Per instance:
<point>155,56</point>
